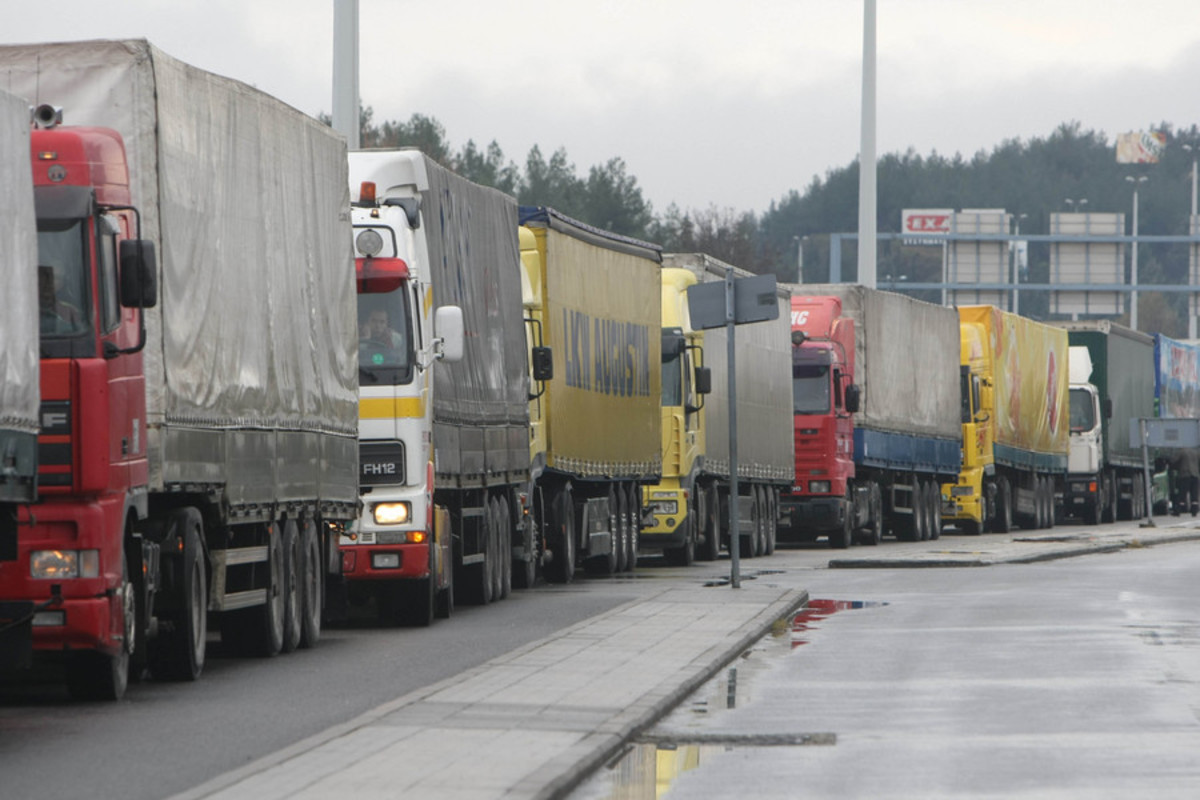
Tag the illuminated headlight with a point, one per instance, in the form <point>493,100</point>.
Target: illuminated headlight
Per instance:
<point>385,560</point>
<point>369,243</point>
<point>819,487</point>
<point>391,513</point>
<point>58,564</point>
<point>960,491</point>
<point>665,506</point>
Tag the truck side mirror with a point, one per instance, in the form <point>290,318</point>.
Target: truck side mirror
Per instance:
<point>703,380</point>
<point>139,274</point>
<point>448,327</point>
<point>543,363</point>
<point>1107,408</point>
<point>853,398</point>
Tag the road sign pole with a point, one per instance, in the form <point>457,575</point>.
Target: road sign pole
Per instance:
<point>735,527</point>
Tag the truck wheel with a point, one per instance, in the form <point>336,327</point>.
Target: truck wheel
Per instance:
<point>873,533</point>
<point>772,518</point>
<point>420,597</point>
<point>935,510</point>
<point>619,529</point>
<point>562,538</point>
<point>710,546</point>
<point>633,507</point>
<point>625,523</point>
<point>1108,485</point>
<point>748,543</point>
<point>843,538</point>
<point>312,599</point>
<point>1002,522</point>
<point>685,554</point>
<point>491,571</point>
<point>258,631</point>
<point>179,654</point>
<point>290,545</point>
<point>93,675</point>
<point>506,561</point>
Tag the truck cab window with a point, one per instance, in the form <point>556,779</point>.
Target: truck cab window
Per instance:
<point>1082,410</point>
<point>672,380</point>
<point>810,389</point>
<point>62,277</point>
<point>385,337</point>
<point>106,253</point>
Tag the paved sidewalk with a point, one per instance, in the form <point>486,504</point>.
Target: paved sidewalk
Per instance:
<point>535,722</point>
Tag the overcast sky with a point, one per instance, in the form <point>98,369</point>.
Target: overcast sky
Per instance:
<point>709,103</point>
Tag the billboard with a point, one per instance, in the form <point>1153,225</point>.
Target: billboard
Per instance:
<point>1140,147</point>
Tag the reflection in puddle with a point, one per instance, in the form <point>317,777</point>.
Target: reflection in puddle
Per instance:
<point>817,610</point>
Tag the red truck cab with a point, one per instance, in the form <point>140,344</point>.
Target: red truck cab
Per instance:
<point>73,570</point>
<point>819,502</point>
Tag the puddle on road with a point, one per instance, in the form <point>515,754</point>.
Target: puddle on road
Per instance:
<point>649,766</point>
<point>816,610</point>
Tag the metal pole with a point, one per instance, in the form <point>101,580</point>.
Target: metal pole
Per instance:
<point>345,71</point>
<point>800,259</point>
<point>866,160</point>
<point>1149,523</point>
<point>1133,297</point>
<point>735,531</point>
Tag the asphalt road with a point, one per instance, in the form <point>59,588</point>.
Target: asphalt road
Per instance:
<point>1073,678</point>
<point>164,738</point>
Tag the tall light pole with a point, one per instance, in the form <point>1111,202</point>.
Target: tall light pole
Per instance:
<point>1133,272</point>
<point>866,160</point>
<point>1076,205</point>
<point>1193,229</point>
<point>799,240</point>
<point>1016,269</point>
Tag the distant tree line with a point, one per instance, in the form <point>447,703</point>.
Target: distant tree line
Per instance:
<point>1033,178</point>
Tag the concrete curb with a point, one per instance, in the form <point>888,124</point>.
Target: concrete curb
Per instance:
<point>1025,550</point>
<point>669,694</point>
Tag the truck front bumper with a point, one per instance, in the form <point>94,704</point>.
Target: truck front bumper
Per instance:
<point>812,514</point>
<point>368,562</point>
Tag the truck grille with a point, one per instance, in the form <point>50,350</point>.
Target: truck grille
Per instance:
<point>381,464</point>
<point>55,451</point>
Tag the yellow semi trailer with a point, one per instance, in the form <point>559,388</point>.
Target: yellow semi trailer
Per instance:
<point>593,327</point>
<point>1015,423</point>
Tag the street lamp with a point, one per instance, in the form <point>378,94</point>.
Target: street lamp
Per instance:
<point>1133,272</point>
<point>1192,150</point>
<point>1072,203</point>
<point>1016,269</point>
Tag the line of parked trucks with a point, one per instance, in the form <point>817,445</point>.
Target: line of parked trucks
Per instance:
<point>220,415</point>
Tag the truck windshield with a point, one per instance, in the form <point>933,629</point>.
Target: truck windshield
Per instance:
<point>62,277</point>
<point>810,389</point>
<point>1083,417</point>
<point>385,340</point>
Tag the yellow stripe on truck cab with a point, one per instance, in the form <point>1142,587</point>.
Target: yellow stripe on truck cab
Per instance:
<point>390,407</point>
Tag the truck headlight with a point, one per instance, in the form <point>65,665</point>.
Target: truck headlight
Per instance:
<point>58,564</point>
<point>665,506</point>
<point>391,513</point>
<point>819,487</point>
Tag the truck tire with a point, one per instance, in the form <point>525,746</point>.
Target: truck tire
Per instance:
<point>561,534</point>
<point>504,516</point>
<point>312,594</point>
<point>620,532</point>
<point>935,510</point>
<point>258,631</point>
<point>525,570</point>
<point>419,596</point>
<point>710,545</point>
<point>494,572</point>
<point>626,520</point>
<point>178,654</point>
<point>633,513</point>
<point>843,538</point>
<point>289,543</point>
<point>873,532</point>
<point>1003,521</point>
<point>93,675</point>
<point>607,563</point>
<point>772,496</point>
<point>920,511</point>
<point>685,554</point>
<point>1109,482</point>
<point>748,545</point>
